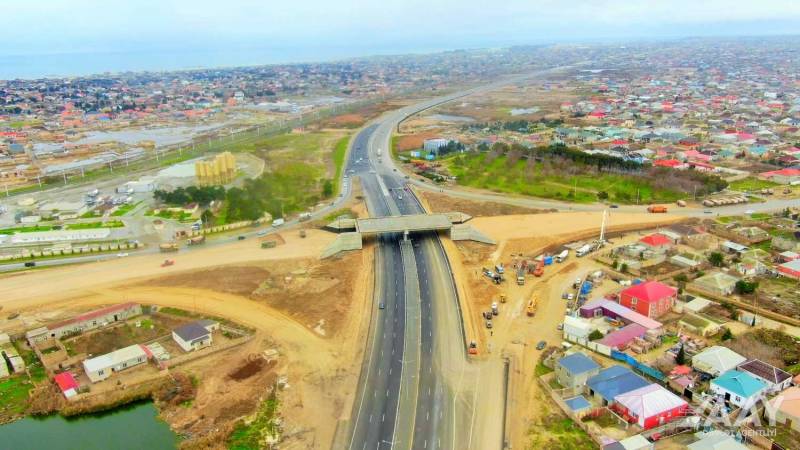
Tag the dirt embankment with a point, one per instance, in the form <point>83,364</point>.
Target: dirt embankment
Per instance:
<point>314,293</point>
<point>441,203</point>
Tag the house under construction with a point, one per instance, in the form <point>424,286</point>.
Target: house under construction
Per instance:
<point>216,171</point>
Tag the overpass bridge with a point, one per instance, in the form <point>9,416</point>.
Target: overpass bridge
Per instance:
<point>354,230</point>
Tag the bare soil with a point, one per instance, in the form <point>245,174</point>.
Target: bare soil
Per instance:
<point>440,203</point>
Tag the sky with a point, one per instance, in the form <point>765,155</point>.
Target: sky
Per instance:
<point>326,29</point>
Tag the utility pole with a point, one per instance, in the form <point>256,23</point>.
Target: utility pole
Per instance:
<point>637,196</point>
<point>6,185</point>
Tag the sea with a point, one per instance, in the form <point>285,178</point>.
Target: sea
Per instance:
<point>55,65</point>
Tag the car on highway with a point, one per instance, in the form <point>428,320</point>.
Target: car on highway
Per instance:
<point>241,238</point>
<point>541,345</point>
<point>708,211</point>
<point>121,255</point>
<point>615,206</point>
<point>261,233</point>
<point>30,264</point>
<point>381,305</point>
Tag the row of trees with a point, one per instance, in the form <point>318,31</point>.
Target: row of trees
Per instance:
<point>202,195</point>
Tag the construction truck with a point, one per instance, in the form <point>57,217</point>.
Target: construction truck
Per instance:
<point>655,209</point>
<point>530,310</point>
<point>499,268</point>
<point>539,270</point>
<point>495,309</point>
<point>561,257</point>
<point>520,275</point>
<point>168,262</point>
<point>583,251</point>
<point>168,247</point>
<point>196,240</point>
<point>502,298</point>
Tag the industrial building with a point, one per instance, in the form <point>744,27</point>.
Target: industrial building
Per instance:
<point>84,322</point>
<point>217,171</point>
<point>102,367</point>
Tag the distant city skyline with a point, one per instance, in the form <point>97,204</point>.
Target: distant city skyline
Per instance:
<point>200,33</point>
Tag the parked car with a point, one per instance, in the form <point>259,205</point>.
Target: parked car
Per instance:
<point>541,345</point>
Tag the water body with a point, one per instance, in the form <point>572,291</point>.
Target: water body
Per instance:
<point>161,136</point>
<point>132,427</point>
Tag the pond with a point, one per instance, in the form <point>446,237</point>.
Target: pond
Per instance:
<point>130,427</point>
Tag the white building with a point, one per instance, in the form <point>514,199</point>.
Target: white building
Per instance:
<point>37,237</point>
<point>433,145</point>
<point>101,367</point>
<point>194,335</point>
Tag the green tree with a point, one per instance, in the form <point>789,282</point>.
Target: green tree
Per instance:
<point>207,217</point>
<point>716,259</point>
<point>623,268</point>
<point>680,358</point>
<point>746,287</point>
<point>602,195</point>
<point>595,335</point>
<point>327,189</point>
<point>727,335</point>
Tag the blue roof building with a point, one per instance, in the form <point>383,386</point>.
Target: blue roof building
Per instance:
<point>613,381</point>
<point>578,404</point>
<point>573,370</point>
<point>739,388</point>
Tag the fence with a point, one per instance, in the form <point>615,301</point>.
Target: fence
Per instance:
<point>91,248</point>
<point>643,368</point>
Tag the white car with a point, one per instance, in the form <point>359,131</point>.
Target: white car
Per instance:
<point>570,296</point>
<point>261,233</point>
<point>121,255</point>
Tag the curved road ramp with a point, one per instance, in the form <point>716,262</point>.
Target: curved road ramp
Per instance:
<point>352,240</point>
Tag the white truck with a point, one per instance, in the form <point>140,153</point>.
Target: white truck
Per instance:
<point>561,257</point>
<point>583,251</point>
<point>277,222</point>
<point>379,153</point>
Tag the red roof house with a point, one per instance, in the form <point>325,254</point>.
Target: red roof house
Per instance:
<point>656,241</point>
<point>650,406</point>
<point>651,298</point>
<point>66,382</point>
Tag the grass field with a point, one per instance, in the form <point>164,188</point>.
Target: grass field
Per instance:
<point>24,229</point>
<point>92,225</point>
<point>751,184</point>
<point>252,435</point>
<point>339,157</point>
<point>125,209</point>
<point>497,175</point>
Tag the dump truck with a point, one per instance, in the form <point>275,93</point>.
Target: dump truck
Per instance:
<point>168,247</point>
<point>520,275</point>
<point>196,240</point>
<point>655,209</point>
<point>499,268</point>
<point>530,310</point>
<point>561,257</point>
<point>495,309</point>
<point>473,348</point>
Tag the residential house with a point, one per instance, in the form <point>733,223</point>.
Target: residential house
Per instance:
<point>776,379</point>
<point>719,283</point>
<point>790,269</point>
<point>650,406</point>
<point>657,242</point>
<point>635,442</point>
<point>716,360</point>
<point>613,381</point>
<point>782,176</point>
<point>786,407</point>
<point>102,367</point>
<point>194,335</point>
<point>715,440</point>
<point>651,298</point>
<point>739,388</point>
<point>573,370</point>
<point>603,307</point>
